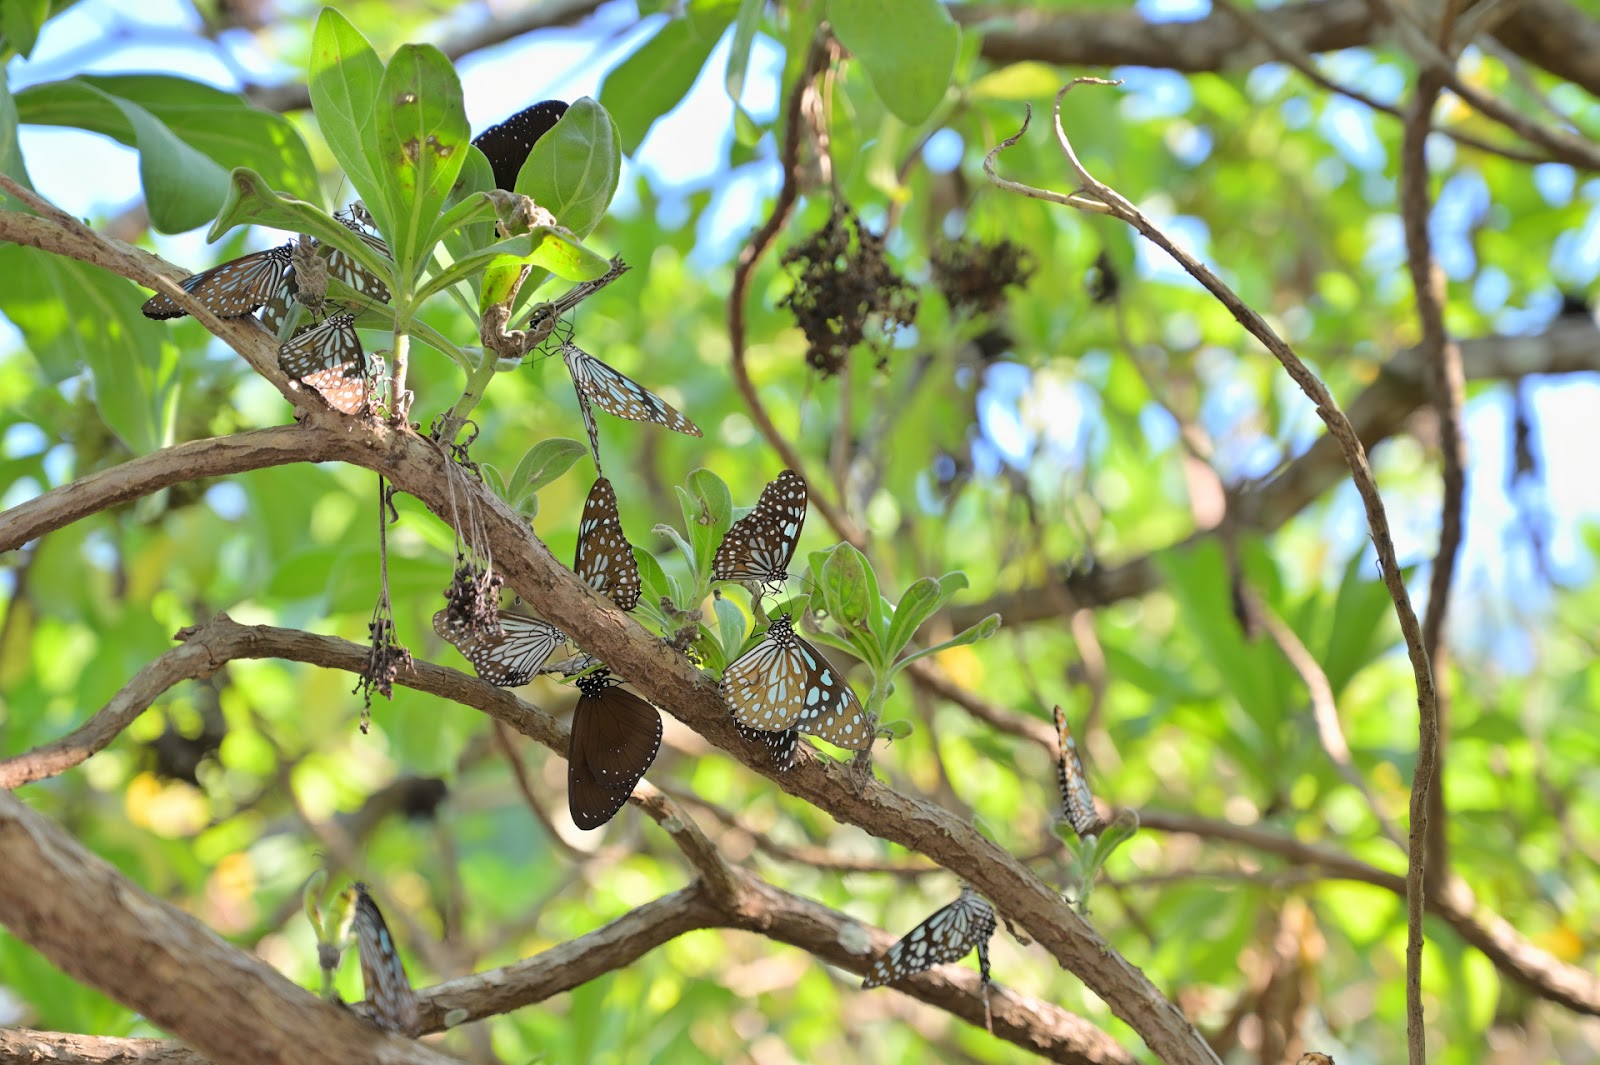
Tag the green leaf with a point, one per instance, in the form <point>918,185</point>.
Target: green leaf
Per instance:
<point>744,36</point>
<point>850,588</point>
<point>422,140</point>
<point>219,125</point>
<point>20,21</point>
<point>573,170</point>
<point>730,628</point>
<point>973,634</point>
<point>544,462</point>
<point>1361,628</point>
<point>10,153</point>
<point>652,579</point>
<point>73,314</point>
<point>921,601</point>
<point>344,77</point>
<point>551,248</point>
<point>707,508</point>
<point>659,73</point>
<point>908,48</point>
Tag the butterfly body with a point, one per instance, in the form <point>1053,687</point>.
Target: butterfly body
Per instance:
<point>234,288</point>
<point>389,994</point>
<point>615,737</point>
<point>509,659</point>
<point>760,545</point>
<point>784,682</point>
<point>605,559</point>
<point>948,935</point>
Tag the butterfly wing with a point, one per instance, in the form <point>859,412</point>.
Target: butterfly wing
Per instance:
<point>780,745</point>
<point>233,289</point>
<point>328,357</point>
<point>620,395</point>
<point>947,936</point>
<point>832,710</point>
<point>759,545</point>
<point>508,144</point>
<point>510,659</point>
<point>605,558</point>
<point>389,994</point>
<point>615,737</point>
<point>766,686</point>
<point>1077,801</point>
<point>350,271</point>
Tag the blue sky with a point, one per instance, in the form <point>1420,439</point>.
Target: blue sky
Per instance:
<point>91,176</point>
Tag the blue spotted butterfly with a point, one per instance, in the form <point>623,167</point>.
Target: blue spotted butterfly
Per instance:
<point>784,682</point>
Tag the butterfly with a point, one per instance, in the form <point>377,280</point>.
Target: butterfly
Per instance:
<point>605,558</point>
<point>235,288</point>
<point>510,659</point>
<point>329,358</point>
<point>947,936</point>
<point>389,994</point>
<point>759,545</point>
<point>1077,801</point>
<point>348,269</point>
<point>619,395</point>
<point>780,745</point>
<point>783,682</point>
<point>615,737</point>
<point>508,144</point>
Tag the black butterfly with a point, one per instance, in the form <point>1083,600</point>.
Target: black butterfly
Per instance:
<point>509,144</point>
<point>949,935</point>
<point>616,393</point>
<point>780,745</point>
<point>234,289</point>
<point>605,558</point>
<point>509,659</point>
<point>329,358</point>
<point>759,545</point>
<point>389,994</point>
<point>1077,801</point>
<point>783,682</point>
<point>615,737</point>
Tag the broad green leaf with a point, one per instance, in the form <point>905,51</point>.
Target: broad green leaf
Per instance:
<point>659,73</point>
<point>744,36</point>
<point>552,248</point>
<point>10,154</point>
<point>707,507</point>
<point>20,21</point>
<point>920,602</point>
<point>851,590</point>
<point>573,170</point>
<point>219,125</point>
<point>730,628</point>
<point>652,579</point>
<point>422,139</point>
<point>74,315</point>
<point>544,462</point>
<point>1361,627</point>
<point>908,48</point>
<point>972,634</point>
<point>344,78</point>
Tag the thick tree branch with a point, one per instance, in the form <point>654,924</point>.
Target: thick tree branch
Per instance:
<point>100,929</point>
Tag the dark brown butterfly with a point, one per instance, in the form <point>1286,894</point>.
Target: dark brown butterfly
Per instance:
<point>389,995</point>
<point>509,659</point>
<point>1077,801</point>
<point>328,357</point>
<point>759,545</point>
<point>235,288</point>
<point>605,558</point>
<point>617,394</point>
<point>947,936</point>
<point>783,682</point>
<point>615,737</point>
<point>508,144</point>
